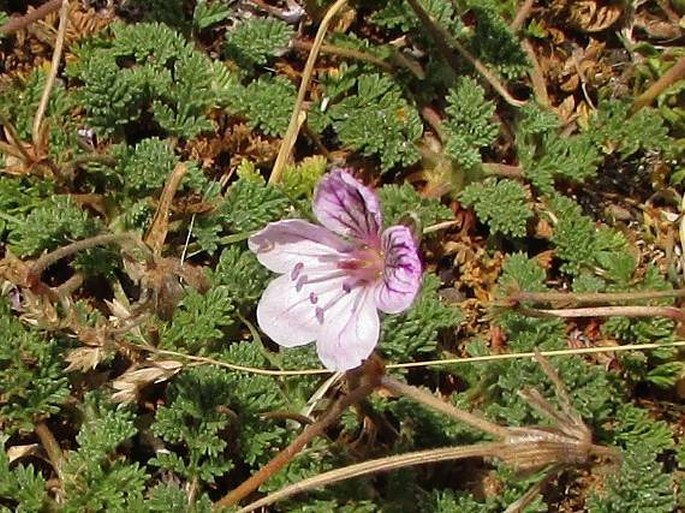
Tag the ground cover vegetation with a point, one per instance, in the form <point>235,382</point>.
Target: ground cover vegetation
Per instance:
<point>533,149</point>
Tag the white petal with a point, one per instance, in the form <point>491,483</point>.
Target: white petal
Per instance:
<point>287,310</point>
<point>350,331</point>
<point>284,244</point>
<point>286,315</point>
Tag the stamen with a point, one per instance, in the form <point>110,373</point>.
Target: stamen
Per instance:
<point>296,270</point>
<point>313,298</point>
<point>319,314</point>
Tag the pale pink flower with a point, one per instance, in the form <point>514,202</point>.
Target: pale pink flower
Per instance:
<point>335,277</point>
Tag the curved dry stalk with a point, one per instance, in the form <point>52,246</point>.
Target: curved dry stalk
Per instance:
<point>45,261</point>
<point>156,234</point>
<point>52,75</point>
<point>379,465</point>
<point>297,118</point>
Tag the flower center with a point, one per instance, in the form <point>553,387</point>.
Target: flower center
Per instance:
<point>365,265</point>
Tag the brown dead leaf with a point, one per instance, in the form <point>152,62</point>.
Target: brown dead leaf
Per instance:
<point>17,452</point>
<point>129,384</point>
<point>591,15</point>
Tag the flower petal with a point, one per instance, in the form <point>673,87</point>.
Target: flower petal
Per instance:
<point>294,308</point>
<point>347,207</point>
<point>286,315</point>
<point>284,244</point>
<point>402,274</point>
<point>350,331</point>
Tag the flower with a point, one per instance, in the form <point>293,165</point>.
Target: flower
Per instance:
<point>335,277</point>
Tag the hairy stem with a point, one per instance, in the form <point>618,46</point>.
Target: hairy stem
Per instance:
<point>444,40</point>
<point>379,465</point>
<point>522,15</point>
<point>670,312</point>
<point>673,75</point>
<point>420,396</point>
<point>593,297</point>
<point>45,261</point>
<point>349,53</point>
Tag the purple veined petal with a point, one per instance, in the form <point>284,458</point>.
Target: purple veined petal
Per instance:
<point>350,331</point>
<point>401,278</point>
<point>283,245</point>
<point>345,206</point>
<point>291,309</point>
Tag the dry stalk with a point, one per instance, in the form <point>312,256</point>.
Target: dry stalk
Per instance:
<point>21,22</point>
<point>298,116</point>
<point>287,454</point>
<point>568,443</point>
<point>673,75</point>
<point>52,75</point>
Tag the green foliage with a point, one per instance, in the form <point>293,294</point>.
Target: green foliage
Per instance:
<point>240,274</point>
<point>547,156</point>
<point>374,119</point>
<point>499,204</point>
<point>208,13</point>
<point>267,103</point>
<point>52,223</point>
<point>299,181</point>
<point>469,123</point>
<point>398,15</point>
<point>95,477</point>
<point>199,321</point>
<point>249,206</point>
<point>494,42</point>
<point>614,130</point>
<point>20,485</point>
<point>581,245</point>
<point>637,431</point>
<point>170,498</point>
<point>143,168</point>
<point>415,333</point>
<point>197,415</point>
<point>398,200</point>
<point>251,42</point>
<point>147,68</point>
<point>20,99</point>
<point>639,485</point>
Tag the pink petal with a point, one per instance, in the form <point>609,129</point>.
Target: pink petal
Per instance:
<point>347,207</point>
<point>285,244</point>
<point>350,331</point>
<point>402,274</point>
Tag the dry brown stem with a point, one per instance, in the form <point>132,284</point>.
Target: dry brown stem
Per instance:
<point>21,22</point>
<point>298,116</point>
<point>287,454</point>
<point>52,75</point>
<point>673,75</point>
